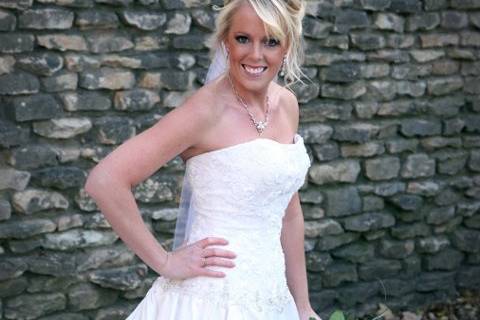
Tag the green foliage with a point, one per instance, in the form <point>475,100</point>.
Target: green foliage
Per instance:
<point>337,315</point>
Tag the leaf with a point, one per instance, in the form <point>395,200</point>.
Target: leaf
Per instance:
<point>337,315</point>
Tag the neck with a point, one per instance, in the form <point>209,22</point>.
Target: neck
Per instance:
<point>255,99</point>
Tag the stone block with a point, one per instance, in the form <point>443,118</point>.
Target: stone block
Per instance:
<point>62,42</point>
<point>344,92</point>
<point>367,42</point>
<point>34,200</point>
<point>114,130</point>
<point>62,128</point>
<point>32,306</point>
<point>447,259</point>
<point>32,156</point>
<point>390,21</point>
<point>34,107</point>
<point>331,242</point>
<point>13,179</point>
<point>341,72</point>
<point>123,278</point>
<point>418,165</point>
<point>8,21</point>
<point>396,249</point>
<point>407,231</point>
<point>466,240</point>
<point>179,24</point>
<point>347,20</point>
<point>136,100</point>
<point>79,101</point>
<point>47,18</point>
<point>432,244</point>
<point>379,268</point>
<point>77,238</point>
<point>439,215</point>
<point>358,252</point>
<point>338,273</point>
<point>26,228</point>
<point>369,221</point>
<point>61,81</point>
<point>406,202</point>
<point>405,6</point>
<point>383,168</point>
<point>86,296</point>
<point>356,133</point>
<point>96,19</point>
<point>343,202</point>
<point>324,227</point>
<point>317,261</point>
<point>18,83</point>
<point>108,41</point>
<point>12,135</point>
<point>431,281</point>
<point>144,20</point>
<point>316,29</point>
<point>60,177</point>
<point>107,78</point>
<point>171,80</point>
<point>339,171</point>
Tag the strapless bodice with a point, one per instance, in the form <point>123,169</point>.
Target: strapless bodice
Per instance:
<point>240,193</point>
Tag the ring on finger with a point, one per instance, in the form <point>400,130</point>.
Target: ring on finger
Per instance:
<point>204,262</point>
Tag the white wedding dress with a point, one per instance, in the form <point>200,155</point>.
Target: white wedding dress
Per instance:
<point>239,192</point>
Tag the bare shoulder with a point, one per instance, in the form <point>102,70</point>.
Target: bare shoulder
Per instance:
<point>289,103</point>
<point>202,104</point>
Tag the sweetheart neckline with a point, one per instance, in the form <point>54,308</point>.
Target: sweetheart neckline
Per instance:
<point>296,139</point>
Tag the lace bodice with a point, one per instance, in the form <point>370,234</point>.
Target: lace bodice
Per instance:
<point>240,193</point>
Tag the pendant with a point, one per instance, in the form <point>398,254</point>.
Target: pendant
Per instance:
<point>260,125</point>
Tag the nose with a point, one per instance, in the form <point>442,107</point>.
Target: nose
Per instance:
<point>257,51</point>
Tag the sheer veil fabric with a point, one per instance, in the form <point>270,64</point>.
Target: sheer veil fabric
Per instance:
<point>186,213</point>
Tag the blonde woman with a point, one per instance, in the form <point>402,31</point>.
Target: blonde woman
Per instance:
<point>238,250</point>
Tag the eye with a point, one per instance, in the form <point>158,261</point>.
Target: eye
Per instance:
<point>241,39</point>
<point>272,42</point>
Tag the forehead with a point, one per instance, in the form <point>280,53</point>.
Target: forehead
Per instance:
<point>245,19</point>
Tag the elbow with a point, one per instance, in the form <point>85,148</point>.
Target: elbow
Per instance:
<point>90,185</point>
<point>93,184</point>
<point>100,181</point>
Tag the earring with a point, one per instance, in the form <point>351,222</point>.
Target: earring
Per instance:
<point>227,52</point>
<point>282,68</point>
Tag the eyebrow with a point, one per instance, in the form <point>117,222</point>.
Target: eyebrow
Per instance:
<point>238,33</point>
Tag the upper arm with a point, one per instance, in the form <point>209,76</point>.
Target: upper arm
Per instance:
<point>293,209</point>
<point>292,108</point>
<point>140,156</point>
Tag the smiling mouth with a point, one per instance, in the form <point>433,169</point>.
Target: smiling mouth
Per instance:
<point>254,70</point>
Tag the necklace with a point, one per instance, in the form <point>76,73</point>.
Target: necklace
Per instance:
<point>259,125</point>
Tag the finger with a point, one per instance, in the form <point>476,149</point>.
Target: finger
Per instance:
<point>219,262</point>
<point>212,241</point>
<point>209,252</point>
<point>211,273</point>
<point>223,262</point>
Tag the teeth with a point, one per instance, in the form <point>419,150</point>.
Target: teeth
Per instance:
<point>254,70</point>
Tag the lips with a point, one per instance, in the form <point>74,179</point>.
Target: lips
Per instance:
<point>253,70</point>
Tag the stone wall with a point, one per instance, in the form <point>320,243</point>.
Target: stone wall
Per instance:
<point>391,121</point>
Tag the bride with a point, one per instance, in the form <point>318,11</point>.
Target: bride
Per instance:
<point>238,251</point>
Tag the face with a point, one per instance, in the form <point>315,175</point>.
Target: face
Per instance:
<point>255,59</point>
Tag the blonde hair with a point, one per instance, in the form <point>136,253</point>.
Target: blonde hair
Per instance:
<point>282,19</point>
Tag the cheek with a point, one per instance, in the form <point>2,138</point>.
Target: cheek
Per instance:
<point>275,59</point>
<point>238,52</point>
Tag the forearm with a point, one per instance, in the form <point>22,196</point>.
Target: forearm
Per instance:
<point>117,203</point>
<point>293,245</point>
